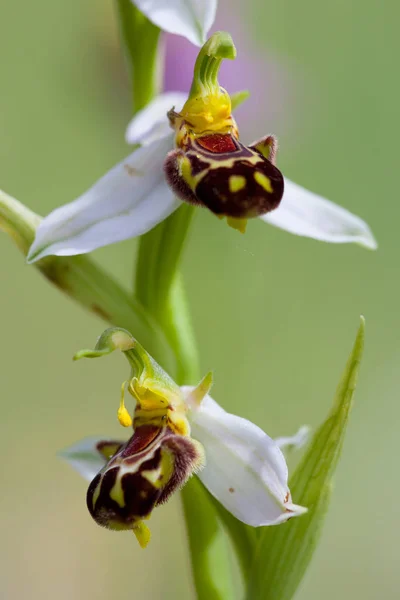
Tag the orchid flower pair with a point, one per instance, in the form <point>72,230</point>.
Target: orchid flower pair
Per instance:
<point>179,432</point>
<point>189,150</point>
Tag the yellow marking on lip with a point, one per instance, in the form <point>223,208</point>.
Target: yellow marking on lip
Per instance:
<point>96,494</point>
<point>142,533</point>
<point>239,224</point>
<point>186,171</point>
<point>117,493</point>
<point>230,162</point>
<point>153,476</point>
<point>159,476</point>
<point>264,181</point>
<point>236,183</point>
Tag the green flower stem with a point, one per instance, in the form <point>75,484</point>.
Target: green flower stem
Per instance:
<point>86,283</point>
<point>208,546</point>
<point>162,248</point>
<point>179,332</point>
<point>159,288</point>
<point>140,41</point>
<point>244,538</point>
<point>159,256</point>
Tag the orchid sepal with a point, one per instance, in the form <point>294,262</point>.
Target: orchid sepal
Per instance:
<point>178,432</point>
<point>189,18</point>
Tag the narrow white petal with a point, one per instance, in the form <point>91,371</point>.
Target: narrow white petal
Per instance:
<point>151,123</point>
<point>296,441</point>
<point>304,213</point>
<point>126,202</point>
<point>190,18</point>
<point>84,457</point>
<point>245,469</point>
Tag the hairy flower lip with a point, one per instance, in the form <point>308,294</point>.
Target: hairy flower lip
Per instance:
<point>143,473</point>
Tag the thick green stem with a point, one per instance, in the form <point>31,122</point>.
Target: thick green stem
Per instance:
<point>208,545</point>
<point>159,287</point>
<point>179,332</point>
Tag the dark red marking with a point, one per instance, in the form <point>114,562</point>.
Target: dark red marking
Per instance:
<point>142,437</point>
<point>217,143</point>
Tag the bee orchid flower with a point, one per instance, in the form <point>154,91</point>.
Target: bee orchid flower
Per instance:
<point>200,161</point>
<point>178,432</point>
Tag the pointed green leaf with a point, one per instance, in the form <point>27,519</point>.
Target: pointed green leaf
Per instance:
<point>284,552</point>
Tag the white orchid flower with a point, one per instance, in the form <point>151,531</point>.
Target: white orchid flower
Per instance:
<point>178,432</point>
<point>202,162</point>
<point>190,18</point>
<point>244,469</point>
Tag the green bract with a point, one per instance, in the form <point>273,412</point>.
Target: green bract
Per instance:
<point>283,554</point>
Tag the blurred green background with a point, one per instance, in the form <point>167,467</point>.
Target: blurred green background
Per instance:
<point>275,315</point>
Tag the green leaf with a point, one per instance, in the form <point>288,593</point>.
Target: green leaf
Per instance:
<point>285,551</point>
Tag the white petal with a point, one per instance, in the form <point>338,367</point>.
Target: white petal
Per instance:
<point>128,201</point>
<point>245,469</point>
<point>296,441</point>
<point>84,457</point>
<point>190,18</point>
<point>304,213</point>
<point>151,122</point>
